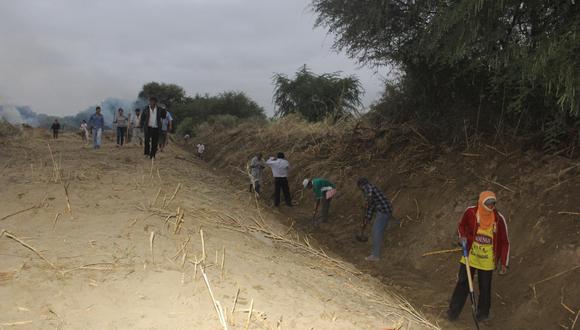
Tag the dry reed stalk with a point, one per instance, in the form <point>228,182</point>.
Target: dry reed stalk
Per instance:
<point>151,172</point>
<point>249,315</point>
<point>94,266</point>
<point>174,194</point>
<point>13,237</point>
<point>440,252</point>
<point>418,210</point>
<point>202,246</point>
<point>159,176</point>
<point>65,186</point>
<point>533,285</point>
<point>183,246</point>
<point>55,220</point>
<point>216,304</point>
<point>573,326</point>
<point>10,324</point>
<point>223,262</point>
<point>155,199</point>
<point>569,213</point>
<point>235,301</point>
<point>164,200</point>
<point>37,206</point>
<point>151,238</point>
<point>55,169</point>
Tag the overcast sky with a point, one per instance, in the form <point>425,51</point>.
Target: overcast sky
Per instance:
<point>61,56</point>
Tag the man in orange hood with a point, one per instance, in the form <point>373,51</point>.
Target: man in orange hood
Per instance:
<point>484,230</point>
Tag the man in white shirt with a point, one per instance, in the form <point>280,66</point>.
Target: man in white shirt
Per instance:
<point>280,167</point>
<point>151,120</point>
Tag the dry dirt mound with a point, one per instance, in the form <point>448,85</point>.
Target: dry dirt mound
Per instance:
<point>106,239</point>
<point>431,186</point>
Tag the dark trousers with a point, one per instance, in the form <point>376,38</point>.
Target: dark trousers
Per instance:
<point>151,141</point>
<point>462,291</point>
<point>121,131</point>
<point>281,184</point>
<point>55,134</point>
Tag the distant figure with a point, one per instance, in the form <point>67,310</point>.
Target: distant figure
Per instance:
<point>166,126</point>
<point>151,122</point>
<point>186,138</point>
<point>280,167</point>
<point>55,128</point>
<point>256,169</point>
<point>137,136</point>
<point>324,191</point>
<point>97,124</point>
<point>121,121</point>
<point>85,131</point>
<point>200,150</point>
<point>375,202</point>
<point>483,231</point>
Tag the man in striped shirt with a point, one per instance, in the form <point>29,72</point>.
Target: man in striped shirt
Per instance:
<point>375,202</point>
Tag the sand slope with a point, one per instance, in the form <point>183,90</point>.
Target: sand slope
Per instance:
<point>114,210</point>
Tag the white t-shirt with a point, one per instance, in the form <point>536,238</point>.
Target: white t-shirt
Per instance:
<point>280,167</point>
<point>200,148</point>
<point>153,117</point>
<point>84,127</point>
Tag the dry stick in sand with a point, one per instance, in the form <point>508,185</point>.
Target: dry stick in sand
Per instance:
<point>569,213</point>
<point>249,315</point>
<point>55,169</point>
<point>223,262</point>
<point>575,320</point>
<point>65,186</point>
<point>55,220</point>
<point>174,193</point>
<point>9,324</point>
<point>156,197</point>
<point>441,252</point>
<point>11,236</point>
<point>21,211</point>
<point>533,285</point>
<point>151,238</point>
<point>234,305</point>
<point>202,245</point>
<point>216,305</point>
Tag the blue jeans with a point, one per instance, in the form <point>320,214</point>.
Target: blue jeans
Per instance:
<point>97,132</point>
<point>378,232</point>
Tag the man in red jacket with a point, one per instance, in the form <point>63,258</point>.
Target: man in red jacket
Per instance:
<point>485,232</point>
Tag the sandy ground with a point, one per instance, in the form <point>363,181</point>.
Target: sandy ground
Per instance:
<point>100,272</point>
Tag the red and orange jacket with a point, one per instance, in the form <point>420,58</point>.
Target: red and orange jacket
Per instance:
<point>468,226</point>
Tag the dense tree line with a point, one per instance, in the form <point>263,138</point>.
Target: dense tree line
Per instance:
<point>494,66</point>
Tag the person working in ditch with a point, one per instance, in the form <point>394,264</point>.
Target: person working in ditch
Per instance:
<point>324,191</point>
<point>375,202</point>
<point>280,168</point>
<point>484,231</point>
<point>256,169</point>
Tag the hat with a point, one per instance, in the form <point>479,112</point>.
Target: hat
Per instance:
<point>305,183</point>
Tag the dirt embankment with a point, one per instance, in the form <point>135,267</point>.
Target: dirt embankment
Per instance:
<point>430,187</point>
<point>106,239</point>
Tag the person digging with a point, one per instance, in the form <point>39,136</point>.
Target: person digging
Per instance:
<point>324,191</point>
<point>483,233</point>
<point>377,203</point>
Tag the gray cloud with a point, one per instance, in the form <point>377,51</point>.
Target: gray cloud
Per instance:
<point>60,56</point>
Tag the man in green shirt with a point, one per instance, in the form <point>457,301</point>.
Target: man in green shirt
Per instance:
<point>324,191</point>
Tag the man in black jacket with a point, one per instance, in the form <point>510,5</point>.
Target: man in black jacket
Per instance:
<point>151,123</point>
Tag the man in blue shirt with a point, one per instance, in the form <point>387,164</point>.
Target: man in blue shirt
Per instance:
<point>166,126</point>
<point>97,124</point>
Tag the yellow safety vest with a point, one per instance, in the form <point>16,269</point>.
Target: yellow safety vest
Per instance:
<point>481,254</point>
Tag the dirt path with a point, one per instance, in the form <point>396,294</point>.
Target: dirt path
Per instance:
<point>101,273</point>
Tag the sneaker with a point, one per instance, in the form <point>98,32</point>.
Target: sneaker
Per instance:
<point>372,258</point>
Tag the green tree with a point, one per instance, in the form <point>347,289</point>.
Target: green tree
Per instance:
<point>316,96</point>
<point>168,94</point>
<point>501,62</point>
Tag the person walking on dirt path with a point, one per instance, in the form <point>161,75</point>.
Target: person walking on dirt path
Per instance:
<point>97,124</point>
<point>324,191</point>
<point>375,202</point>
<point>256,169</point>
<point>85,131</point>
<point>55,128</point>
<point>280,168</point>
<point>136,130</point>
<point>151,122</point>
<point>484,231</point>
<point>166,127</point>
<point>121,121</point>
<point>200,150</point>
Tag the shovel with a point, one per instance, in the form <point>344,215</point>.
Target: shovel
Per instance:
<point>361,237</point>
<point>470,281</point>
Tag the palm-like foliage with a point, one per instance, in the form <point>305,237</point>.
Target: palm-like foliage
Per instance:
<point>316,97</point>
